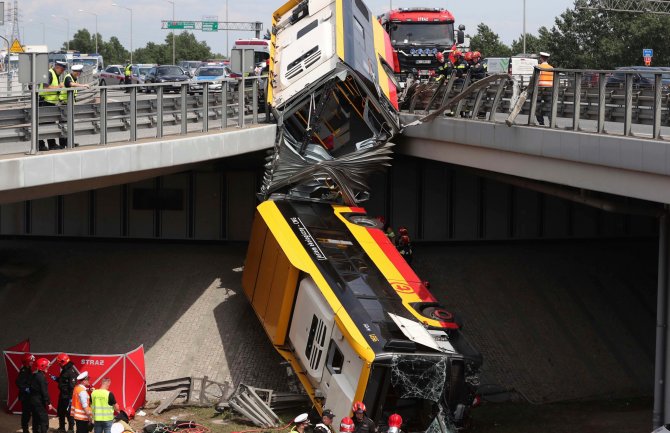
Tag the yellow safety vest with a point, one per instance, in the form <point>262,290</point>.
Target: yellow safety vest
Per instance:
<point>546,77</point>
<point>129,70</point>
<point>64,93</point>
<point>102,411</point>
<point>51,97</point>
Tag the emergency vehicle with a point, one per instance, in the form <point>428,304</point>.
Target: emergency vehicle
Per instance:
<point>417,35</point>
<point>333,294</point>
<point>261,48</point>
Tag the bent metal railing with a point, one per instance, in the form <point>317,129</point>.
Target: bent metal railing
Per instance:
<point>620,102</point>
<point>107,114</point>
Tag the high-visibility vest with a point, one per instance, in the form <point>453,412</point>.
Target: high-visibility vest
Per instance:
<point>77,411</point>
<point>51,97</point>
<point>64,93</point>
<point>102,411</point>
<point>129,70</point>
<point>546,77</point>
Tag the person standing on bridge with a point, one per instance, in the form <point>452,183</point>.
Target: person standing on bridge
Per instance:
<point>103,404</point>
<point>128,72</point>
<point>23,383</point>
<point>545,81</point>
<point>71,80</point>
<point>52,97</point>
<point>66,383</point>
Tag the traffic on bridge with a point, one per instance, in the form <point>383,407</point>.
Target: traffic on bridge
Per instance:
<point>393,220</point>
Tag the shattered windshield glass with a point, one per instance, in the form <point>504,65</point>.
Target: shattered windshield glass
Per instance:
<point>419,377</point>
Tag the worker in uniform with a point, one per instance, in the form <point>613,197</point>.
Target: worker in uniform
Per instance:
<point>71,80</point>
<point>326,424</point>
<point>103,405</point>
<point>52,97</point>
<point>128,72</point>
<point>546,81</point>
<point>347,425</point>
<point>394,423</point>
<point>405,248</point>
<point>300,423</point>
<point>478,69</point>
<point>81,404</point>
<point>39,397</point>
<point>362,424</point>
<point>66,383</point>
<point>123,419</point>
<point>23,383</point>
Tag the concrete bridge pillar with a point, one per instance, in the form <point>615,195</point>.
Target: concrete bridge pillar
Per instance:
<point>661,414</point>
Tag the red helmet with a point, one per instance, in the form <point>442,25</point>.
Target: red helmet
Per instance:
<point>42,364</point>
<point>130,412</point>
<point>347,425</point>
<point>358,407</point>
<point>440,57</point>
<point>476,55</point>
<point>62,359</point>
<point>395,420</point>
<point>28,359</point>
<point>404,240</point>
<point>402,231</point>
<point>468,56</point>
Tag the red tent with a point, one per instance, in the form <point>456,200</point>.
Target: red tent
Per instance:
<point>126,372</point>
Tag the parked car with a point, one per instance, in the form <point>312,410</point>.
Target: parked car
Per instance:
<point>139,73</point>
<point>210,74</point>
<point>113,74</point>
<point>166,74</point>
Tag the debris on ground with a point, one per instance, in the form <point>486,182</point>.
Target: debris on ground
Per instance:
<point>254,404</point>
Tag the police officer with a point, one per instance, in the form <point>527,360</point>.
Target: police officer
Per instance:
<point>23,383</point>
<point>39,397</point>
<point>362,424</point>
<point>128,72</point>
<point>325,426</point>
<point>301,422</point>
<point>70,80</point>
<point>52,97</point>
<point>66,383</point>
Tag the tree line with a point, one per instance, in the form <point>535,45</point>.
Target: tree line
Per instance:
<point>588,39</point>
<point>187,47</point>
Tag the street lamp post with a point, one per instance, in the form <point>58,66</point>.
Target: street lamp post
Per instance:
<point>173,36</point>
<point>131,28</point>
<point>96,27</point>
<point>68,29</point>
<point>524,26</point>
<point>227,25</point>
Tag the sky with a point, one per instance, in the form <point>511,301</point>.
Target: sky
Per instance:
<point>36,20</point>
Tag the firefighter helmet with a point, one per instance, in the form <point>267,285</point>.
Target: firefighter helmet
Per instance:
<point>63,359</point>
<point>404,240</point>
<point>42,364</point>
<point>347,425</point>
<point>395,420</point>
<point>402,231</point>
<point>28,359</point>
<point>468,56</point>
<point>358,407</point>
<point>476,55</point>
<point>440,57</point>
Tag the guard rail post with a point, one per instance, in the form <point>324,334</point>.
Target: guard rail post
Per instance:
<point>497,98</point>
<point>133,113</point>
<point>555,87</point>
<point>534,86</point>
<point>658,87</point>
<point>34,115</point>
<point>628,113</point>
<point>254,104</point>
<point>69,112</point>
<point>464,85</point>
<point>266,105</point>
<point>159,111</point>
<point>184,113</point>
<point>103,115</point>
<point>447,91</point>
<point>240,103</point>
<point>224,104</point>
<point>577,102</point>
<point>205,106</point>
<point>602,82</point>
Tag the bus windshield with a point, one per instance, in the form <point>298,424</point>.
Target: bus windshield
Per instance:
<point>422,33</point>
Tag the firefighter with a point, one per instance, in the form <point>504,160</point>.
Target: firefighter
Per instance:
<point>478,69</point>
<point>362,424</point>
<point>405,248</point>
<point>122,419</point>
<point>545,81</point>
<point>301,423</point>
<point>402,231</point>
<point>442,69</point>
<point>394,423</point>
<point>81,404</point>
<point>23,383</point>
<point>326,424</point>
<point>66,383</point>
<point>39,397</point>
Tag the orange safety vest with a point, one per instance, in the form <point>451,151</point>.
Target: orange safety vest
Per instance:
<point>77,411</point>
<point>546,77</point>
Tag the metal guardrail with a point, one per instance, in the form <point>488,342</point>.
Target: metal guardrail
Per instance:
<point>103,112</point>
<point>583,100</point>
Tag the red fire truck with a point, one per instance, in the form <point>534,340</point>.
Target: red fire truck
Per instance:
<point>417,34</point>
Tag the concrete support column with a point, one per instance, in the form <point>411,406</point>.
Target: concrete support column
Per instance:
<point>661,380</point>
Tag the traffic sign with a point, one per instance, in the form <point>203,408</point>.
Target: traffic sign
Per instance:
<point>647,60</point>
<point>647,52</point>
<point>16,47</point>
<point>210,26</point>
<point>181,25</point>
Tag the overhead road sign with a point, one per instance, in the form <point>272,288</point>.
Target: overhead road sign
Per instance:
<point>180,25</point>
<point>210,26</point>
<point>213,26</point>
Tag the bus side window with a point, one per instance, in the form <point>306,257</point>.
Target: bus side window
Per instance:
<point>335,359</point>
